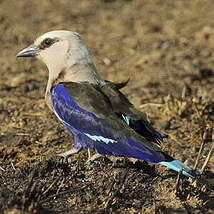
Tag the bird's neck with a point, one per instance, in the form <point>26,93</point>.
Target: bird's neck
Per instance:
<point>81,73</point>
<point>75,73</point>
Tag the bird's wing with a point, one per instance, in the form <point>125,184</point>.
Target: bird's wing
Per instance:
<point>127,112</point>
<point>87,111</point>
<point>118,85</point>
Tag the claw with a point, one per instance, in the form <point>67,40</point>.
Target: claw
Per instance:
<point>66,155</point>
<point>93,157</point>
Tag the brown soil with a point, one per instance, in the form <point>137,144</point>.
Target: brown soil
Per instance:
<point>166,48</point>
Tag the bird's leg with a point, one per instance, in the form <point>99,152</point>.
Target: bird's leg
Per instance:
<point>89,154</point>
<point>68,153</point>
<point>93,157</point>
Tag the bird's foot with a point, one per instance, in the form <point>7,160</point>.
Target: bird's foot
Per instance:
<point>93,157</point>
<point>66,155</point>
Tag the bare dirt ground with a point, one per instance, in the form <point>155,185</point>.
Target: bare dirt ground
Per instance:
<point>166,48</point>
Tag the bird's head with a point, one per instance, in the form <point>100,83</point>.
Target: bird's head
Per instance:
<point>66,56</point>
<point>58,49</point>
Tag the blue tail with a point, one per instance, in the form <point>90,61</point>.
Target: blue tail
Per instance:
<point>178,166</point>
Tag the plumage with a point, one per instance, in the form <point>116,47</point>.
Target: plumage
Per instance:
<point>91,123</point>
<point>98,127</point>
<point>94,110</point>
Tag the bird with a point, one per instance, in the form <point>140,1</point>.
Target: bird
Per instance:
<point>93,110</point>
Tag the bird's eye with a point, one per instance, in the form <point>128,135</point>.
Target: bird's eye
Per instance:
<point>47,42</point>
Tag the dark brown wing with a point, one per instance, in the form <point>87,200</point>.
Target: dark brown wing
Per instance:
<point>107,101</point>
<point>133,117</point>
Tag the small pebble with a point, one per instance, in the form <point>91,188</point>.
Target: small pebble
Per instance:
<point>5,88</point>
<point>29,86</point>
<point>165,125</point>
<point>107,61</point>
<point>206,73</point>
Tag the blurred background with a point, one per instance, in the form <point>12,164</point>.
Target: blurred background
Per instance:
<point>166,49</point>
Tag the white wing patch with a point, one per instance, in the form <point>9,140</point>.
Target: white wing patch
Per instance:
<point>93,137</point>
<point>100,138</point>
<point>126,119</point>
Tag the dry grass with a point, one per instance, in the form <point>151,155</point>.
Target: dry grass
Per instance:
<point>166,47</point>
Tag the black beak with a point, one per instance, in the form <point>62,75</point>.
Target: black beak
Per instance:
<point>30,51</point>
